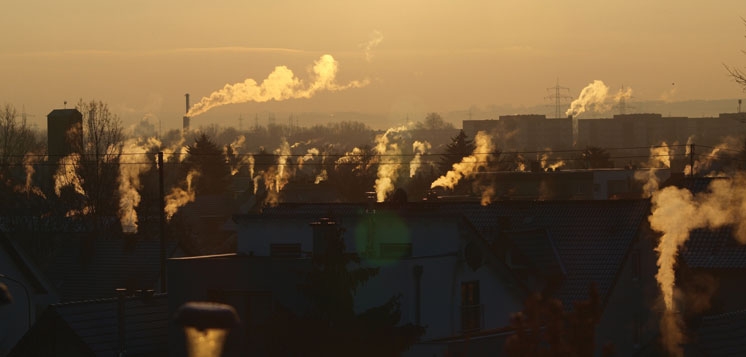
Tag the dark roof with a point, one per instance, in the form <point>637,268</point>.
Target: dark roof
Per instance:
<point>64,112</point>
<point>592,238</point>
<point>537,246</point>
<point>714,249</point>
<point>723,335</point>
<point>93,327</point>
<point>79,274</point>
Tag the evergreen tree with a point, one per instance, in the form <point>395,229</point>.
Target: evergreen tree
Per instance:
<point>460,147</point>
<point>207,158</point>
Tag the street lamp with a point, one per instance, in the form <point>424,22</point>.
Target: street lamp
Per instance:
<point>206,324</point>
<point>28,296</point>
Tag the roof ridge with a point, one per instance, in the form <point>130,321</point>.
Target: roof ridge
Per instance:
<point>108,299</point>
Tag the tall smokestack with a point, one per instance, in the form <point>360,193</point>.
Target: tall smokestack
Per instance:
<point>185,123</point>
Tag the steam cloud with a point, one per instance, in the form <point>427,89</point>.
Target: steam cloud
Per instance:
<point>179,197</point>
<point>131,166</point>
<point>592,96</point>
<point>420,148</point>
<point>468,165</point>
<point>675,213</point>
<point>389,151</point>
<point>281,84</point>
<point>375,39</point>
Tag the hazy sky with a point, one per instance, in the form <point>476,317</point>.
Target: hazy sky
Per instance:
<point>142,56</point>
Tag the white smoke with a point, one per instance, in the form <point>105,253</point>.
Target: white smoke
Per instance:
<point>388,147</point>
<point>375,39</point>
<point>67,175</point>
<point>592,97</point>
<point>281,84</point>
<point>675,213</point>
<point>419,148</point>
<point>132,164</point>
<point>179,197</point>
<point>469,165</point>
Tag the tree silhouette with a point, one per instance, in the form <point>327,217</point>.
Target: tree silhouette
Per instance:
<point>206,157</point>
<point>460,147</point>
<point>594,157</point>
<point>737,74</point>
<point>544,328</point>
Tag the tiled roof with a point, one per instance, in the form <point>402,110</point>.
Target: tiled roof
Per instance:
<point>96,324</point>
<point>723,335</point>
<point>114,263</point>
<point>537,246</point>
<point>714,249</point>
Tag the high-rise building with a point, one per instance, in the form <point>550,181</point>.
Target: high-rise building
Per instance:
<point>64,133</point>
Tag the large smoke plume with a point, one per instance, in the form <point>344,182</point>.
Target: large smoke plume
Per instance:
<point>469,165</point>
<point>135,162</point>
<point>593,96</point>
<point>281,84</point>
<point>675,213</point>
<point>388,147</point>
<point>420,148</point>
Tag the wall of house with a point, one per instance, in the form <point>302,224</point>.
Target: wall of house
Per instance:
<point>629,321</point>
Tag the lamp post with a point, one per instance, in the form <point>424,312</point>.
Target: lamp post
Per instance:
<point>206,324</point>
<point>28,296</point>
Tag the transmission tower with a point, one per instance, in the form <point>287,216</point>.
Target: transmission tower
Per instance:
<point>561,98</point>
<point>621,105</point>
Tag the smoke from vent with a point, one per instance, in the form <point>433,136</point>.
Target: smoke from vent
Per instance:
<point>388,148</point>
<point>675,213</point>
<point>131,166</point>
<point>281,84</point>
<point>419,148</point>
<point>67,175</point>
<point>179,197</point>
<point>469,165</point>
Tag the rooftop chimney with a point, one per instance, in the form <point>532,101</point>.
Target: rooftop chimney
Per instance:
<point>185,123</point>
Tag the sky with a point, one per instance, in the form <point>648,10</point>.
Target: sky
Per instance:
<point>416,57</point>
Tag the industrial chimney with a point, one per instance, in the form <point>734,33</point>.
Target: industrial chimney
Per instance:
<point>185,123</point>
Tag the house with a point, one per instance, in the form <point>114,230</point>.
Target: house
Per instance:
<point>134,325</point>
<point>30,291</point>
<point>461,269</point>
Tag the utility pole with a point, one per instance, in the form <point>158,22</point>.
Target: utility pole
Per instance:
<point>162,211</point>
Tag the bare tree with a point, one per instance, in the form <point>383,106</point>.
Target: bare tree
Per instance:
<point>737,74</point>
<point>102,147</point>
<point>16,138</point>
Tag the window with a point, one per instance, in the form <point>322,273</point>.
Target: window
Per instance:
<point>471,309</point>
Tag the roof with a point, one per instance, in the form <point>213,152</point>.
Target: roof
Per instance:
<point>112,263</point>
<point>714,249</point>
<point>592,238</point>
<point>537,246</point>
<point>95,324</point>
<point>63,112</point>
<point>723,335</point>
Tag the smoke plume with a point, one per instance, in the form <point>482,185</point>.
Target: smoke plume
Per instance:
<point>419,148</point>
<point>375,39</point>
<point>469,165</point>
<point>131,166</point>
<point>281,84</point>
<point>179,197</point>
<point>593,96</point>
<point>67,175</point>
<point>675,213</point>
<point>389,151</point>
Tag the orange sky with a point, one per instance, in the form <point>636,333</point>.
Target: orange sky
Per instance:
<point>142,56</point>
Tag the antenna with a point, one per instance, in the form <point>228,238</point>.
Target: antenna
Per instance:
<point>560,98</point>
<point>739,106</point>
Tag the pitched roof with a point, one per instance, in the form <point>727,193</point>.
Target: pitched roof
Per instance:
<point>111,264</point>
<point>592,238</point>
<point>714,249</point>
<point>723,335</point>
<point>95,324</point>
